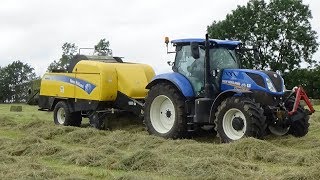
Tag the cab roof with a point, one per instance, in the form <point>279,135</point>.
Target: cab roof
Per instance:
<point>199,40</point>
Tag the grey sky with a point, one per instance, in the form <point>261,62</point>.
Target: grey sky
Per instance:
<point>33,31</point>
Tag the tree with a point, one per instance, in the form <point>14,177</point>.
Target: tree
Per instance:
<point>280,30</point>
<point>4,86</point>
<point>102,48</point>
<point>68,52</point>
<point>13,81</point>
<point>308,78</point>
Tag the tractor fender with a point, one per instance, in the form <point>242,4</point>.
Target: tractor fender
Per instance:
<point>178,80</point>
<point>222,96</point>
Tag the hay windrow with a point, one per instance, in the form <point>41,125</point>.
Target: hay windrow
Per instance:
<point>84,157</point>
<point>42,149</point>
<point>132,176</point>
<point>34,125</point>
<point>31,146</point>
<point>52,132</point>
<point>142,160</point>
<point>311,173</point>
<point>6,159</point>
<point>7,122</point>
<point>79,135</point>
<point>28,168</point>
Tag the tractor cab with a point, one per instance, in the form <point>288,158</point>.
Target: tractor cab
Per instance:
<point>222,56</point>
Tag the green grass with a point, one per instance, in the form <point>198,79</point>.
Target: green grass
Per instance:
<point>32,147</point>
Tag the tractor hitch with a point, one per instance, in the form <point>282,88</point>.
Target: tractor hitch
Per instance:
<point>300,95</point>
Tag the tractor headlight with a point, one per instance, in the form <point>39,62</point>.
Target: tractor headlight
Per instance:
<point>270,85</point>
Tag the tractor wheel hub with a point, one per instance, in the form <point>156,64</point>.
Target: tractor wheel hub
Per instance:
<point>237,123</point>
<point>168,113</point>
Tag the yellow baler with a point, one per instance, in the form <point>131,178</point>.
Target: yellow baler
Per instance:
<point>94,85</point>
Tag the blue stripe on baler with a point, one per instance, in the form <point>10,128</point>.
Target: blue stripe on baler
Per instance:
<point>84,85</point>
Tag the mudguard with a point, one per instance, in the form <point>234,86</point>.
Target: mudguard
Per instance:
<point>181,82</point>
<point>229,93</point>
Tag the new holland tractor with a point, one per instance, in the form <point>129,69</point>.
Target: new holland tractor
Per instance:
<point>208,87</point>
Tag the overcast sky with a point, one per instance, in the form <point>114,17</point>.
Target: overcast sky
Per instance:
<point>33,31</point>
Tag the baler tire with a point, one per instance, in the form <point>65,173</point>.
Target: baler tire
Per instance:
<point>158,95</point>
<point>61,114</point>
<point>298,128</point>
<point>76,119</point>
<point>98,122</point>
<point>98,125</point>
<point>246,111</point>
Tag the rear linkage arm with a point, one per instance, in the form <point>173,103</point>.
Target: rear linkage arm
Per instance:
<point>300,95</point>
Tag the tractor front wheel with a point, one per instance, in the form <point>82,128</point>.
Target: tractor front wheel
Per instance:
<point>239,117</point>
<point>300,120</point>
<point>164,112</point>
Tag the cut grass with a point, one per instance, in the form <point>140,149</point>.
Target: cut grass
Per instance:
<point>32,147</point>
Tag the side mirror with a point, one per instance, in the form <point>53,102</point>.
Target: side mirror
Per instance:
<point>170,63</point>
<point>215,72</point>
<point>195,50</point>
<point>256,54</point>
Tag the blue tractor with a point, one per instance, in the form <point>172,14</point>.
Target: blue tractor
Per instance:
<point>208,88</point>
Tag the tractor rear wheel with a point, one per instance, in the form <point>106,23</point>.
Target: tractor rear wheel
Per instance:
<point>164,112</point>
<point>239,117</point>
<point>300,126</point>
<point>63,116</point>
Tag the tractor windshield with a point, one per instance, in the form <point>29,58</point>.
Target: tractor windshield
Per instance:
<point>223,58</point>
<point>220,58</point>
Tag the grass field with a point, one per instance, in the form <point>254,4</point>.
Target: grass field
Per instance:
<point>32,147</point>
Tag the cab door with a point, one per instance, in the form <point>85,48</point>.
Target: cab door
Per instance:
<point>192,69</point>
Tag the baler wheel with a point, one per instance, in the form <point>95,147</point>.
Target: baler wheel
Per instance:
<point>63,116</point>
<point>98,120</point>
<point>239,117</point>
<point>164,112</point>
<point>76,119</point>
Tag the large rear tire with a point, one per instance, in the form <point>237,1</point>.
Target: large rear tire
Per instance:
<point>164,112</point>
<point>300,126</point>
<point>63,116</point>
<point>239,117</point>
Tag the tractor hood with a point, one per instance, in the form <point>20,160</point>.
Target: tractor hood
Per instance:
<point>252,80</point>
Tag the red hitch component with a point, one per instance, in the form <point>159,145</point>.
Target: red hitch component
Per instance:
<point>301,95</point>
